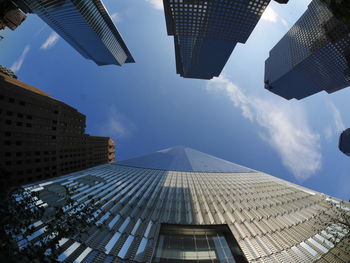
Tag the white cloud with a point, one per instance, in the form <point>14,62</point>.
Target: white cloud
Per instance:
<point>116,17</point>
<point>118,125</point>
<point>338,121</point>
<point>285,127</point>
<point>50,41</point>
<point>16,66</point>
<point>272,16</point>
<point>157,4</point>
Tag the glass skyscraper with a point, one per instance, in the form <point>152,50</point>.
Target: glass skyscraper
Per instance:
<point>181,205</point>
<point>206,32</point>
<point>314,55</point>
<point>85,25</point>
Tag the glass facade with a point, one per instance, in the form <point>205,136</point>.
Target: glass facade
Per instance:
<point>85,25</point>
<point>143,215</point>
<point>206,32</point>
<point>313,56</point>
<point>207,244</point>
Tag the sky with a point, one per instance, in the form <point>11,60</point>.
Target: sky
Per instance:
<point>146,106</point>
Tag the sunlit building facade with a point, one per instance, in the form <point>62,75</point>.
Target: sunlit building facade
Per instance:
<point>85,25</point>
<point>314,55</point>
<point>181,205</point>
<point>206,32</point>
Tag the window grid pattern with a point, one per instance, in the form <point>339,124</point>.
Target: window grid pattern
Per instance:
<point>271,219</point>
<point>229,20</point>
<point>193,22</point>
<point>316,48</point>
<point>87,26</point>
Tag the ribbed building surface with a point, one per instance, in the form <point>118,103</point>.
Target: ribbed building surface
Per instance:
<point>156,215</point>
<point>314,55</point>
<point>85,25</point>
<point>206,32</point>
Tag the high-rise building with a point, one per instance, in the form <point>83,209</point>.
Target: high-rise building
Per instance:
<point>10,15</point>
<point>181,205</point>
<point>206,32</point>
<point>344,142</point>
<point>42,137</point>
<point>85,25</point>
<point>314,55</point>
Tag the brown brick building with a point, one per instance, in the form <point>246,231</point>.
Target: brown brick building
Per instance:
<point>41,137</point>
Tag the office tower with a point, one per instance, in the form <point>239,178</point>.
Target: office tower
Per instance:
<point>42,137</point>
<point>314,55</point>
<point>10,15</point>
<point>181,205</point>
<point>206,32</point>
<point>344,142</point>
<point>85,25</point>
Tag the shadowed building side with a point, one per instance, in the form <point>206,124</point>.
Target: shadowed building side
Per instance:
<point>206,32</point>
<point>344,142</point>
<point>42,137</point>
<point>85,25</point>
<point>314,55</point>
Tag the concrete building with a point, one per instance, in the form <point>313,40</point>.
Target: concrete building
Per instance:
<point>206,32</point>
<point>344,142</point>
<point>42,137</point>
<point>10,15</point>
<point>181,205</point>
<point>85,25</point>
<point>314,55</point>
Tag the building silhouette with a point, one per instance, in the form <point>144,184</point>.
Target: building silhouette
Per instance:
<point>206,32</point>
<point>182,205</point>
<point>42,137</point>
<point>314,55</point>
<point>344,142</point>
<point>85,25</point>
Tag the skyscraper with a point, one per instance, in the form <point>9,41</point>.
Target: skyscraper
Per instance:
<point>344,142</point>
<point>181,205</point>
<point>85,25</point>
<point>42,137</point>
<point>206,32</point>
<point>314,55</point>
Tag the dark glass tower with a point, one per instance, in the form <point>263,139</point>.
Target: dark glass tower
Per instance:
<point>85,25</point>
<point>314,55</point>
<point>179,205</point>
<point>344,142</point>
<point>206,32</point>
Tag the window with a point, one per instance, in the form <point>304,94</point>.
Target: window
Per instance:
<point>181,243</point>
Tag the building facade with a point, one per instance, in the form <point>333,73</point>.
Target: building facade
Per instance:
<point>344,142</point>
<point>314,55</point>
<point>85,25</point>
<point>10,15</point>
<point>42,137</point>
<point>206,32</point>
<point>181,205</point>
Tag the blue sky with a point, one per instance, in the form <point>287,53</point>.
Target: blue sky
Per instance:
<point>145,106</point>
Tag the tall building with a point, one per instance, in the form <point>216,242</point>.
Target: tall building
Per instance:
<point>85,25</point>
<point>314,55</point>
<point>10,15</point>
<point>344,142</point>
<point>42,137</point>
<point>182,205</point>
<point>206,32</point>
